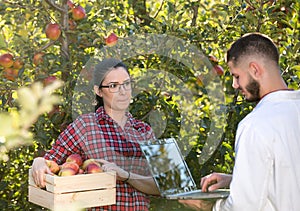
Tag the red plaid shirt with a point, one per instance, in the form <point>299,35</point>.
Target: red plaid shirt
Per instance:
<point>97,135</point>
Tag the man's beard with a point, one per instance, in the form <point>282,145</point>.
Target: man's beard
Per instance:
<point>253,88</point>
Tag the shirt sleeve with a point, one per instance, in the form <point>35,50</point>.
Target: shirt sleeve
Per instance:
<point>68,142</point>
<point>252,171</point>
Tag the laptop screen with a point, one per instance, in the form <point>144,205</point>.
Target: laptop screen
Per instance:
<point>168,167</point>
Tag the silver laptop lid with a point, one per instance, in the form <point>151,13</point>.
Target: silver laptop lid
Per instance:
<point>169,169</point>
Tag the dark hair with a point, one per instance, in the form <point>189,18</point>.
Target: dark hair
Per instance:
<point>99,100</point>
<point>251,44</point>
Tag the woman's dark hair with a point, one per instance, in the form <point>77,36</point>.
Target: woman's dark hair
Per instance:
<point>99,100</point>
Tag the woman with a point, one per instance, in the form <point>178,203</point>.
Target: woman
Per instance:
<point>110,135</point>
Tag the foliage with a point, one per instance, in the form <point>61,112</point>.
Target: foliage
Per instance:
<point>184,34</point>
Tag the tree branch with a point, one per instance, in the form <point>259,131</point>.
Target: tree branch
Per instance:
<point>46,46</point>
<point>159,9</point>
<point>55,6</point>
<point>195,14</point>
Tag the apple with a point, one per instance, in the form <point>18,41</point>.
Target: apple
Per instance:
<point>93,168</point>
<point>6,60</point>
<point>75,158</point>
<point>70,4</point>
<point>111,40</point>
<point>78,13</point>
<point>49,80</point>
<point>10,73</point>
<point>89,161</point>
<point>18,64</point>
<point>53,166</point>
<point>81,171</point>
<point>213,59</point>
<point>72,24</point>
<point>66,172</point>
<point>38,58</point>
<point>217,69</point>
<point>53,31</point>
<point>71,165</point>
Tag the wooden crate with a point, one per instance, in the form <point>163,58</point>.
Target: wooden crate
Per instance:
<point>80,191</point>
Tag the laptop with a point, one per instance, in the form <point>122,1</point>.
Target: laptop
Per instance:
<point>171,173</point>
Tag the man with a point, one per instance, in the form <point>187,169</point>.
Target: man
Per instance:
<point>266,174</point>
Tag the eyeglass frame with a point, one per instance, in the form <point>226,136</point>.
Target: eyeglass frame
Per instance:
<point>130,81</point>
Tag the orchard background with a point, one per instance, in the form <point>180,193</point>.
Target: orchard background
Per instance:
<point>29,122</point>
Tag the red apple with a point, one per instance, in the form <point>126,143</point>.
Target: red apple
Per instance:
<point>80,171</point>
<point>49,80</point>
<point>70,4</point>
<point>66,172</point>
<point>75,158</point>
<point>10,73</point>
<point>93,168</point>
<point>217,69</point>
<point>53,166</point>
<point>72,24</point>
<point>111,40</point>
<point>38,58</point>
<point>53,31</point>
<point>213,59</point>
<point>78,13</point>
<point>18,64</point>
<point>71,165</point>
<point>6,60</point>
<point>89,161</point>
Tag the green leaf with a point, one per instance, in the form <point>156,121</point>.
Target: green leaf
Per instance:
<point>2,41</point>
<point>296,67</point>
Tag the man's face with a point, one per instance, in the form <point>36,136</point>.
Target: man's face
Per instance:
<point>244,82</point>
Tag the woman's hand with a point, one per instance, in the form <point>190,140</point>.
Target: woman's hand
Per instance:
<point>109,166</point>
<point>215,181</point>
<point>39,169</point>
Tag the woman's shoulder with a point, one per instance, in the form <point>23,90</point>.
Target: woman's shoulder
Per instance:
<point>139,124</point>
<point>86,118</point>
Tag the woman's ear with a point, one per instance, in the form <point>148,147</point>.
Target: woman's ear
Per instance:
<point>97,90</point>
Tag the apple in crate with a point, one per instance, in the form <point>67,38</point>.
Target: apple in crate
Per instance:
<point>87,162</point>
<point>53,166</point>
<point>93,168</point>
<point>75,158</point>
<point>66,172</point>
<point>70,165</point>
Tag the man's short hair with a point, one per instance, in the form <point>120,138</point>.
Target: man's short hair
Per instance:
<point>253,44</point>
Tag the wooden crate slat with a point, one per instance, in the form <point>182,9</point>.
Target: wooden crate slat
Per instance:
<point>82,199</point>
<point>57,184</point>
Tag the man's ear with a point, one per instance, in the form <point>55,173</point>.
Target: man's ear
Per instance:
<point>97,90</point>
<point>255,70</point>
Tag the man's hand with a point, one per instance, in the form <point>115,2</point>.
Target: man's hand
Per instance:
<point>199,205</point>
<point>215,181</point>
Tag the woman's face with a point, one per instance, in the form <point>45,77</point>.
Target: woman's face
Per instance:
<point>116,90</point>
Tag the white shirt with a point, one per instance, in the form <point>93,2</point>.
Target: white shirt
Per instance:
<point>266,174</point>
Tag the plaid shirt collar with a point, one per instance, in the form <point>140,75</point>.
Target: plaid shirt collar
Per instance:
<point>102,115</point>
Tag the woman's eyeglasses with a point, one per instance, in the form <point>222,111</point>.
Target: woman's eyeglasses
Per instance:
<point>115,87</point>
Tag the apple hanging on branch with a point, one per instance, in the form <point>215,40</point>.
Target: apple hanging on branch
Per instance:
<point>217,69</point>
<point>78,13</point>
<point>18,64</point>
<point>53,31</point>
<point>10,73</point>
<point>6,60</point>
<point>38,58</point>
<point>111,40</point>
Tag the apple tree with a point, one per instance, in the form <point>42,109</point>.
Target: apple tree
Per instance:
<point>174,49</point>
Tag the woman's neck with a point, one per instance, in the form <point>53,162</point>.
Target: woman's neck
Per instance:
<point>118,116</point>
